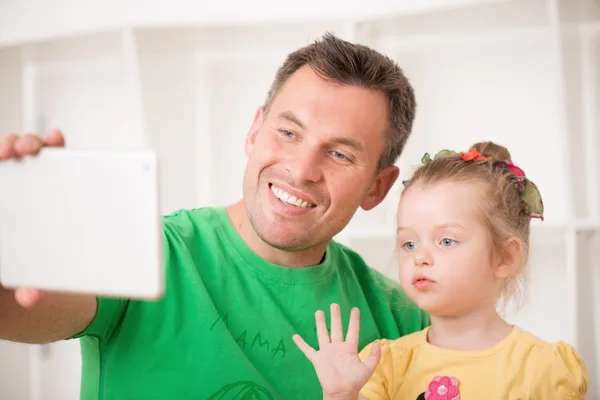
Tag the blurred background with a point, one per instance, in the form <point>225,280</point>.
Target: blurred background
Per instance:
<point>185,78</point>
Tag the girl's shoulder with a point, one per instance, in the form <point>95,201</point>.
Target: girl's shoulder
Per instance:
<point>559,367</point>
<point>396,350</point>
<point>404,343</point>
<point>396,358</point>
<point>559,351</point>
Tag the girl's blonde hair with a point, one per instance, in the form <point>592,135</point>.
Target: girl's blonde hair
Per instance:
<point>504,211</point>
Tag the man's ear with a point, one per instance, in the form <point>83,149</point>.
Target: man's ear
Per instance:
<point>253,132</point>
<point>510,259</point>
<point>384,181</point>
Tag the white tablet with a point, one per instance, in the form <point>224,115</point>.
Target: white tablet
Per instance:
<point>83,222</point>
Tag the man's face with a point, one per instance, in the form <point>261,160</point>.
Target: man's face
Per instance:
<point>312,161</point>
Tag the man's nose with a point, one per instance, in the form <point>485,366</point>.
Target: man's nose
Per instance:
<point>305,165</point>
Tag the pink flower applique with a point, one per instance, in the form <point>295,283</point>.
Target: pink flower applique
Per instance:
<point>443,388</point>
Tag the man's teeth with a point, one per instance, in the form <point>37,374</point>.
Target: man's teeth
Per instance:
<point>289,199</point>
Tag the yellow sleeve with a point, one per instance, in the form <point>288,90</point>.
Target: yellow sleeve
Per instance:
<point>381,385</point>
<point>563,374</point>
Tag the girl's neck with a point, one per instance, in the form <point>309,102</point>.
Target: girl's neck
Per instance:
<point>478,330</point>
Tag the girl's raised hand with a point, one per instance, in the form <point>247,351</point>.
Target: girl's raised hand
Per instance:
<point>340,370</point>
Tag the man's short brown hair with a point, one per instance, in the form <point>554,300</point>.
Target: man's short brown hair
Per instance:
<point>354,64</point>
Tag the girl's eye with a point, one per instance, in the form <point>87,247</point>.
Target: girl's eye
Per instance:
<point>447,242</point>
<point>409,245</point>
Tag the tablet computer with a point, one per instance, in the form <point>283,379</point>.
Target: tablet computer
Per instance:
<point>82,221</point>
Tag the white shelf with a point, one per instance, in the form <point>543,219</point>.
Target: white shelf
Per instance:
<point>462,40</point>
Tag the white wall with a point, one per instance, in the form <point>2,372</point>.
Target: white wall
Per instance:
<point>496,77</point>
<point>30,20</point>
<point>14,358</point>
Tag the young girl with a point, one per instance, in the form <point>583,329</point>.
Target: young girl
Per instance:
<point>463,237</point>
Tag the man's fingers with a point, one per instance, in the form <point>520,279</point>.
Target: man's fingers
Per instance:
<point>373,360</point>
<point>322,333</point>
<point>337,332</point>
<point>27,298</point>
<point>7,146</point>
<point>353,327</point>
<point>29,145</point>
<point>55,138</point>
<point>14,146</point>
<point>303,346</point>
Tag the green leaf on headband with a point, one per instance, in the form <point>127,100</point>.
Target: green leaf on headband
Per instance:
<point>427,157</point>
<point>533,198</point>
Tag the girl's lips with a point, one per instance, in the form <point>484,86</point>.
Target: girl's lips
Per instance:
<point>422,282</point>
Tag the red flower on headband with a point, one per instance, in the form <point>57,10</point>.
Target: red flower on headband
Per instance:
<point>514,170</point>
<point>473,155</point>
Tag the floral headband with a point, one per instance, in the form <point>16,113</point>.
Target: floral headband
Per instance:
<point>529,191</point>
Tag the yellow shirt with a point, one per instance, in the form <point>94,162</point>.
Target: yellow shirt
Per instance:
<point>521,367</point>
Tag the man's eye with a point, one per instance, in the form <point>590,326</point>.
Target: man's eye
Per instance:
<point>340,156</point>
<point>286,133</point>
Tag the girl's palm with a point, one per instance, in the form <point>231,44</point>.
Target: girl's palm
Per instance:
<point>337,364</point>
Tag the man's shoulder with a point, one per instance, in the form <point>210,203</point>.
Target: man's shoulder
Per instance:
<point>193,215</point>
<point>369,276</point>
<point>186,222</point>
<point>382,289</point>
<point>198,230</point>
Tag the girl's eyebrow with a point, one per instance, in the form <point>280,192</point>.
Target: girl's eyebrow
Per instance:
<point>440,226</point>
<point>450,226</point>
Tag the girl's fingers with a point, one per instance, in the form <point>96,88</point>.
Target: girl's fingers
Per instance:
<point>353,327</point>
<point>304,347</point>
<point>337,332</point>
<point>373,360</point>
<point>322,333</point>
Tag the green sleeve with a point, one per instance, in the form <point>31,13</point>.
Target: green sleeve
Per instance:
<point>397,315</point>
<point>409,317</point>
<point>109,313</point>
<point>421,319</point>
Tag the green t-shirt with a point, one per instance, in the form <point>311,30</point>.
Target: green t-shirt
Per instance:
<point>224,329</point>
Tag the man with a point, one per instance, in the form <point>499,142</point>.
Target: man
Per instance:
<point>243,279</point>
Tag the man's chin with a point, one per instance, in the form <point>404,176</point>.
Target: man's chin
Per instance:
<point>282,233</point>
<point>286,242</point>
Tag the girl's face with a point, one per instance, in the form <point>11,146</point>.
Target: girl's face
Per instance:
<point>444,249</point>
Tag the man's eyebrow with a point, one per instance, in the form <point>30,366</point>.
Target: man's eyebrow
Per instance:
<point>349,142</point>
<point>291,117</point>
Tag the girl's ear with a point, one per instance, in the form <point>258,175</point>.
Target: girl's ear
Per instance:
<point>509,261</point>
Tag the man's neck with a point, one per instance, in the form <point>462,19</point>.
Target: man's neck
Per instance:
<point>291,259</point>
<point>477,330</point>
